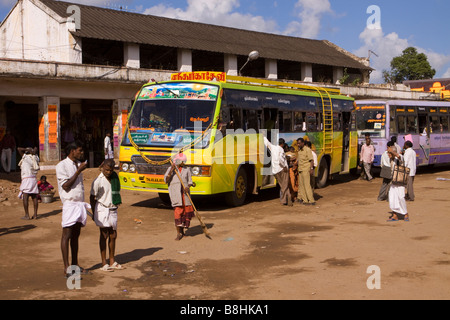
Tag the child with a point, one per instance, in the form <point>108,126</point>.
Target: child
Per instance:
<point>44,187</point>
<point>183,209</point>
<point>105,198</point>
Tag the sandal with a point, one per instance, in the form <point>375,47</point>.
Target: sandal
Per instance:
<point>107,268</point>
<point>117,266</point>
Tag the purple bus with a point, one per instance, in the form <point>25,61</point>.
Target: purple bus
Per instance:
<point>426,123</point>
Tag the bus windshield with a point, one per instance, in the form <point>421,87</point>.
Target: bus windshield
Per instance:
<point>371,119</point>
<point>171,114</point>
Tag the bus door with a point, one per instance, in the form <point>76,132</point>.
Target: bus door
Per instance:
<point>270,124</point>
<point>424,137</point>
<point>346,122</point>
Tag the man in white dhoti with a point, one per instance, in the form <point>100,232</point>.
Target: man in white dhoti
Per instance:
<point>397,201</point>
<point>410,157</point>
<point>71,192</point>
<point>29,167</point>
<point>107,145</point>
<point>105,199</point>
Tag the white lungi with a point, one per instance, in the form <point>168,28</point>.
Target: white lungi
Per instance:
<point>73,212</point>
<point>397,201</point>
<point>105,217</point>
<point>29,185</point>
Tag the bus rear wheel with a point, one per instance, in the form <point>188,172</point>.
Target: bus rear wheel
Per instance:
<point>237,197</point>
<point>323,173</point>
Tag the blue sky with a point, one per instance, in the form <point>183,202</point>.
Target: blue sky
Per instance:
<point>402,23</point>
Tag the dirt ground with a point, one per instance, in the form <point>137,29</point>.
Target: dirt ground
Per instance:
<point>260,251</point>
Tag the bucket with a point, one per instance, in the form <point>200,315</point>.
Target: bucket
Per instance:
<point>47,198</point>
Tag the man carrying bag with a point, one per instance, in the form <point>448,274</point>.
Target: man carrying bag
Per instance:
<point>387,166</point>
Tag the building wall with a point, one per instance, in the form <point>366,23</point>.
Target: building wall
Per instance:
<point>33,32</point>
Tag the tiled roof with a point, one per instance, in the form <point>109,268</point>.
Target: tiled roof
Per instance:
<point>108,24</point>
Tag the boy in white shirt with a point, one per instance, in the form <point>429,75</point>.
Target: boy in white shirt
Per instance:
<point>105,199</point>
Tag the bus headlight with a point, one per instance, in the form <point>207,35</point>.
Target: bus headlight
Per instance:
<point>195,171</point>
<point>125,167</point>
<point>201,171</point>
<point>132,168</point>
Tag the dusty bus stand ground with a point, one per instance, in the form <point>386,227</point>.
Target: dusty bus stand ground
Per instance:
<point>260,251</point>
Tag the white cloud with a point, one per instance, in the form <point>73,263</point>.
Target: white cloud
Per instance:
<point>389,46</point>
<point>310,15</point>
<point>218,12</point>
<point>225,13</point>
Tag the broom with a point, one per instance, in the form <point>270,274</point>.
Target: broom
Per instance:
<point>204,228</point>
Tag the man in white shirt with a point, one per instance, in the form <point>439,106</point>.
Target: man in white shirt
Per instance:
<point>410,159</point>
<point>71,192</point>
<point>109,154</point>
<point>314,154</point>
<point>280,169</point>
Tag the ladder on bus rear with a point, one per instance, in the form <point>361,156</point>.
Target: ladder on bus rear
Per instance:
<point>327,105</point>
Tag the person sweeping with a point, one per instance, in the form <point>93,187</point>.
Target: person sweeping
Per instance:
<point>178,191</point>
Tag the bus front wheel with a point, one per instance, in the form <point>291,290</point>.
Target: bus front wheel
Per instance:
<point>237,197</point>
<point>323,173</point>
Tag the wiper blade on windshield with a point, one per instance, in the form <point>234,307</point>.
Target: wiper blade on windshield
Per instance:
<point>164,87</point>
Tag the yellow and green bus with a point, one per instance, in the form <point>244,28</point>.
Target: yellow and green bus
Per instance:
<point>219,121</point>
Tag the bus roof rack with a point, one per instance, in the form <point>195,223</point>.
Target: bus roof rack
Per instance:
<point>280,84</point>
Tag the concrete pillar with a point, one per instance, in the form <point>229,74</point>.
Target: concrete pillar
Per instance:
<point>338,73</point>
<point>306,72</point>
<point>131,55</point>
<point>184,60</point>
<point>231,64</point>
<point>120,117</point>
<point>271,69</point>
<point>49,130</point>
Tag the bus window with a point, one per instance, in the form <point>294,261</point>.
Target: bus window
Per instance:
<point>251,120</point>
<point>393,124</point>
<point>423,124</point>
<point>371,119</point>
<point>337,126</point>
<point>319,121</point>
<point>411,124</point>
<point>435,124</point>
<point>401,124</point>
<point>299,121</point>
<point>285,121</point>
<point>311,122</point>
<point>444,124</point>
